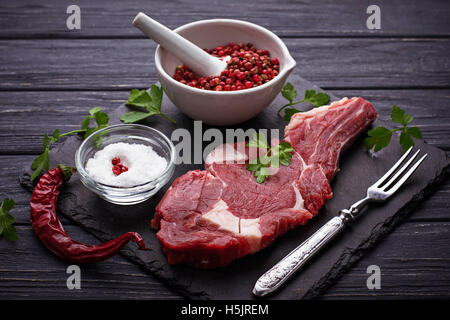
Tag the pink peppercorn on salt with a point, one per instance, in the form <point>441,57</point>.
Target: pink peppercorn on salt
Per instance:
<point>125,165</point>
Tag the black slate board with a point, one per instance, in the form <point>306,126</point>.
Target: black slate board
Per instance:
<point>359,169</point>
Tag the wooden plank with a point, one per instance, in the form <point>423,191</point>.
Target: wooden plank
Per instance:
<point>66,109</point>
<point>26,116</point>
<point>407,271</point>
<point>410,268</point>
<point>29,271</point>
<point>122,65</point>
<point>10,168</point>
<point>285,18</point>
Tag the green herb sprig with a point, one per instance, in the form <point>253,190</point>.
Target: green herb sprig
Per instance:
<point>380,137</point>
<point>274,156</point>
<point>317,99</point>
<point>7,229</point>
<point>151,102</point>
<point>42,162</point>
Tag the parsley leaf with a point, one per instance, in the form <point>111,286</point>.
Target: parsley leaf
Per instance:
<point>134,116</point>
<point>289,112</point>
<point>139,98</point>
<point>259,141</point>
<point>289,92</point>
<point>414,132</point>
<point>41,163</point>
<point>156,93</point>
<point>317,99</point>
<point>380,137</point>
<point>406,141</point>
<point>151,102</point>
<point>7,229</point>
<point>281,154</point>
<point>101,119</point>
<point>400,116</point>
<point>274,156</point>
<point>260,170</point>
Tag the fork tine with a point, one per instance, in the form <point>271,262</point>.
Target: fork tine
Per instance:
<point>400,171</point>
<point>407,175</point>
<point>394,167</point>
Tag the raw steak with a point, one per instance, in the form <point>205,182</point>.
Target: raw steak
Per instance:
<point>211,217</point>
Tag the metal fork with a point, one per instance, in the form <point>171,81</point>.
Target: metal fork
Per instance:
<point>381,190</point>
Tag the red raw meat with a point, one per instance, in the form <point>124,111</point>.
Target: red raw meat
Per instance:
<point>211,217</point>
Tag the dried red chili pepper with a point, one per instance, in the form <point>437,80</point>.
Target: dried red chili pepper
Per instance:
<point>48,228</point>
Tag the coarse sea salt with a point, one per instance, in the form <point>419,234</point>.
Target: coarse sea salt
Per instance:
<point>143,163</point>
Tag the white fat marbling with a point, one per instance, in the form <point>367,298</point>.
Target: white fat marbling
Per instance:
<point>226,220</point>
<point>225,154</point>
<point>299,202</point>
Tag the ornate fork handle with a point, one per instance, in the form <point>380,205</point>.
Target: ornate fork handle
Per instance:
<point>279,273</point>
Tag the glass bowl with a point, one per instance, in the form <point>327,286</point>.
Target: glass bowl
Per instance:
<point>128,133</point>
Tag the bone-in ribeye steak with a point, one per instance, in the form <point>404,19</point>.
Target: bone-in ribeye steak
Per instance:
<point>211,217</point>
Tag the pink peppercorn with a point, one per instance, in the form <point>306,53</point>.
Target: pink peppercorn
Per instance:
<point>115,161</point>
<point>248,67</point>
<point>256,78</point>
<point>241,76</point>
<point>116,170</point>
<point>118,167</point>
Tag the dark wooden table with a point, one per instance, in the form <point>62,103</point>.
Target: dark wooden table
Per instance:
<point>51,76</point>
